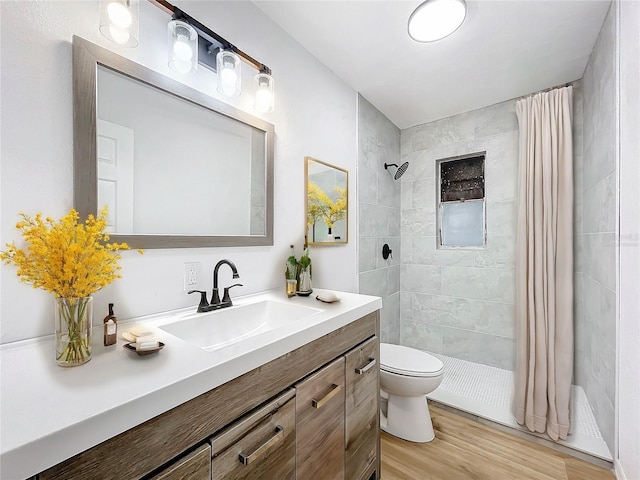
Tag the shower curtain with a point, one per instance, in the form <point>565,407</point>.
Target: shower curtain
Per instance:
<point>544,263</point>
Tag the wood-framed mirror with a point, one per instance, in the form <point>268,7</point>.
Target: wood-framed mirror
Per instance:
<point>176,167</point>
<point>326,203</point>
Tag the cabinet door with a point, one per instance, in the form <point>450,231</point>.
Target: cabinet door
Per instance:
<point>195,466</point>
<point>320,424</point>
<point>362,409</point>
<point>260,446</point>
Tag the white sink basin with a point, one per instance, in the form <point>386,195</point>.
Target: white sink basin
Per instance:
<point>219,328</point>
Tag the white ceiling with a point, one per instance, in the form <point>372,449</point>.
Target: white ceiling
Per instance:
<point>503,50</point>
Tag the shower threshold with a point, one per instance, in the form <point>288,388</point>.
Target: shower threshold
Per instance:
<point>487,392</point>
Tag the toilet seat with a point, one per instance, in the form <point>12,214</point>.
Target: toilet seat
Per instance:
<point>410,362</point>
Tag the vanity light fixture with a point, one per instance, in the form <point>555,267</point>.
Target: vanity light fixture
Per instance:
<point>183,47</point>
<point>119,21</point>
<point>229,72</point>
<point>436,19</point>
<point>216,54</point>
<point>264,99</point>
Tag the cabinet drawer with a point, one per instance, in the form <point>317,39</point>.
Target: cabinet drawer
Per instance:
<point>259,446</point>
<point>362,408</point>
<point>194,466</point>
<point>320,424</point>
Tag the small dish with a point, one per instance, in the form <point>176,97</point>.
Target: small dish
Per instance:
<point>326,301</point>
<point>304,294</point>
<point>132,347</point>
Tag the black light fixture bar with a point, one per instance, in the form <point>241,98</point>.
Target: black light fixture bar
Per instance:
<point>209,42</point>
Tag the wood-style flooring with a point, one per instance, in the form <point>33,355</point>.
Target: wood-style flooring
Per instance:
<point>464,449</point>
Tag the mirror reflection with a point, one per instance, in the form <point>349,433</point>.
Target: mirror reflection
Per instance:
<point>326,203</point>
<point>168,166</point>
<point>175,166</point>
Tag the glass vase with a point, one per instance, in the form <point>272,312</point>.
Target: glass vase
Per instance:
<point>304,282</point>
<point>74,317</point>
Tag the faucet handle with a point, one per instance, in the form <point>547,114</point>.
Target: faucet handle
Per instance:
<point>226,299</point>
<point>215,297</point>
<point>203,299</point>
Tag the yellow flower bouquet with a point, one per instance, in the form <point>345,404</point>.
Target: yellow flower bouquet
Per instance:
<point>71,260</point>
<point>320,207</point>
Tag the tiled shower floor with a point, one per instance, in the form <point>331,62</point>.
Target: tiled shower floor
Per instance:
<point>488,392</point>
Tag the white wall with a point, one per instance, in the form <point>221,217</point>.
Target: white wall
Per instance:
<point>315,115</point>
<point>627,462</point>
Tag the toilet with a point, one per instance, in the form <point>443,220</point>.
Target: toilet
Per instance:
<point>407,375</point>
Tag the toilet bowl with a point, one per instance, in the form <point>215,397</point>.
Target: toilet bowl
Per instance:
<point>407,375</point>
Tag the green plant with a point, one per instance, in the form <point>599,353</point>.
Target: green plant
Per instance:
<point>294,266</point>
<point>304,261</point>
<point>291,269</point>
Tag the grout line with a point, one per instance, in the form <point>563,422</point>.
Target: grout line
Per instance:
<point>456,328</point>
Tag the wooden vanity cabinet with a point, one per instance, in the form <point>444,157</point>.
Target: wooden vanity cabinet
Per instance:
<point>164,445</point>
<point>194,466</point>
<point>362,410</point>
<point>320,424</point>
<point>260,446</point>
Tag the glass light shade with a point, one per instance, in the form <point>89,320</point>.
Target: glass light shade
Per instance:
<point>119,21</point>
<point>182,45</point>
<point>436,19</point>
<point>263,101</point>
<point>229,74</point>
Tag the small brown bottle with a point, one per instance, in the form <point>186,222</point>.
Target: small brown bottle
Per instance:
<point>110,327</point>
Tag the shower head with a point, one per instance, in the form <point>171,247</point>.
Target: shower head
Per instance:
<point>401,169</point>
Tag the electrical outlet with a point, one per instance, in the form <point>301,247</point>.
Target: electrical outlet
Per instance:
<point>191,274</point>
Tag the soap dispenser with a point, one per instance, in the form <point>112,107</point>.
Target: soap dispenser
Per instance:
<point>110,328</point>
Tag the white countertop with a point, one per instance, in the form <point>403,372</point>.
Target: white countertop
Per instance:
<point>49,413</point>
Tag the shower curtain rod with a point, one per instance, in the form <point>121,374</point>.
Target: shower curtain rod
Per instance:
<point>545,90</point>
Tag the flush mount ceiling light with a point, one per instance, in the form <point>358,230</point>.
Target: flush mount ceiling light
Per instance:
<point>119,21</point>
<point>436,19</point>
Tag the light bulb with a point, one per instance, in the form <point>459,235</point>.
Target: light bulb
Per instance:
<point>119,35</point>
<point>229,73</point>
<point>182,50</point>
<point>119,21</point>
<point>119,15</point>
<point>263,100</point>
<point>228,79</point>
<point>182,45</point>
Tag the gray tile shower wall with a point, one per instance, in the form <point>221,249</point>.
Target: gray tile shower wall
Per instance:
<point>459,302</point>
<point>379,215</point>
<point>595,232</point>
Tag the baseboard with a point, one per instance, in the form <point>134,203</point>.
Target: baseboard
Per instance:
<point>617,470</point>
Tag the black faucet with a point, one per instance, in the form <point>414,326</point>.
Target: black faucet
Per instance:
<point>203,306</point>
<point>215,297</point>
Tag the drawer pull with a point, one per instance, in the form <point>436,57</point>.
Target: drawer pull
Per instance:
<point>368,366</point>
<point>262,449</point>
<point>319,403</point>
